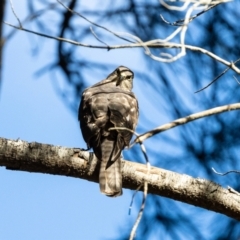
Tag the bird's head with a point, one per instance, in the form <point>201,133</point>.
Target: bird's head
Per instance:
<point>124,78</point>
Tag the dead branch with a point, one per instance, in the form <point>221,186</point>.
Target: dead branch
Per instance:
<point>148,44</point>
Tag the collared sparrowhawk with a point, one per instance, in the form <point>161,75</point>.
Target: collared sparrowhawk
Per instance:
<point>109,104</point>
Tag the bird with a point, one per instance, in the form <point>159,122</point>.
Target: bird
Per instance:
<point>107,109</point>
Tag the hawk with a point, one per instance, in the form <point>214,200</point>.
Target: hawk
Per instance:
<point>109,104</point>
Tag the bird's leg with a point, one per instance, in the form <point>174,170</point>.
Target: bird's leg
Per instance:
<point>91,159</point>
<point>82,153</point>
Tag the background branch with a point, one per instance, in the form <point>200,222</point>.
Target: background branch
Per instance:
<point>148,44</point>
<point>184,120</point>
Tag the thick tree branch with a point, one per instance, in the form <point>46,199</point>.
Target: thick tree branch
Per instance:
<point>44,158</point>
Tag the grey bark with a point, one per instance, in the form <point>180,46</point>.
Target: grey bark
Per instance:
<point>73,162</point>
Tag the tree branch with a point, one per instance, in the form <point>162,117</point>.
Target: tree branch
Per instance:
<point>184,120</point>
<point>149,44</point>
<point>44,158</point>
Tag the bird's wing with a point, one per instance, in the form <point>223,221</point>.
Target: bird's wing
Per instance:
<point>93,116</point>
<point>124,114</point>
<point>103,108</point>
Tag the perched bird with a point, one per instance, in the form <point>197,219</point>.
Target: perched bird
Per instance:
<point>109,104</point>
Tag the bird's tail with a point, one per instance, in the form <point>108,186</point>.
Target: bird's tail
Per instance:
<point>110,176</point>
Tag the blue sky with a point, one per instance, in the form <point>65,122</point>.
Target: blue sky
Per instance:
<point>41,206</point>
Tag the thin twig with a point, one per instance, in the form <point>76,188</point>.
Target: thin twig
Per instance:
<point>215,79</point>
<point>95,35</point>
<point>93,23</point>
<point>124,129</point>
<point>19,22</point>
<point>133,196</point>
<point>222,174</point>
<point>236,80</point>
<point>30,18</point>
<point>55,38</point>
<point>180,22</point>
<point>145,192</point>
<point>184,120</point>
<point>139,217</point>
